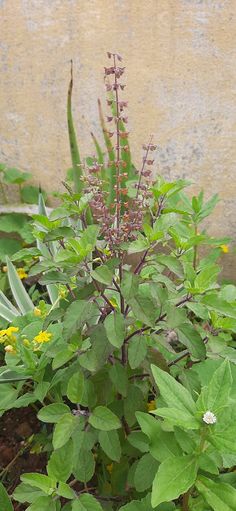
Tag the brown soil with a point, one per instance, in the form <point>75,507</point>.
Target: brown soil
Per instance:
<point>16,426</point>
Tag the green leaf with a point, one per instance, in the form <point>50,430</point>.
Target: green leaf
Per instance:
<point>97,355</point>
<point>44,483</point>
<point>5,503</point>
<point>119,378</point>
<point>219,388</point>
<point>75,387</point>
<point>177,418</point>
<point>20,295</point>
<point>115,328</point>
<point>8,247</point>
<point>137,350</point>
<point>104,419</point>
<point>189,336</point>
<point>25,493</point>
<point>214,302</point>
<point>53,413</point>
<point>74,150</point>
<point>84,466</point>
<point>63,430</point>
<point>61,462</point>
<point>144,309</point>
<point>145,472</point>
<point>174,477</point>
<point>64,490</point>
<point>15,176</point>
<point>162,444</point>
<point>43,504</point>
<point>207,278</point>
<point>110,443</point>
<point>220,496</point>
<point>174,394</point>
<point>102,274</point>
<point>86,502</point>
<point>76,316</point>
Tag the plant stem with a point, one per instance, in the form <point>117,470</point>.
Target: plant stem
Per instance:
<point>186,500</point>
<point>195,250</point>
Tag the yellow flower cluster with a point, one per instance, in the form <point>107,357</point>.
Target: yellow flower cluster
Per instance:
<point>225,248</point>
<point>8,338</point>
<point>21,273</point>
<point>43,336</point>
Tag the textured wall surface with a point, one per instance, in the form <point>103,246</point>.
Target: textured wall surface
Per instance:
<point>181,76</point>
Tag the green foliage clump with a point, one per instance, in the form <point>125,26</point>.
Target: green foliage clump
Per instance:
<point>130,359</point>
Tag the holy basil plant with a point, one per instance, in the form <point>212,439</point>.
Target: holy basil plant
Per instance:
<point>130,362</point>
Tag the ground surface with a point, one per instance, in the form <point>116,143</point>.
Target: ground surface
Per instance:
<point>16,426</point>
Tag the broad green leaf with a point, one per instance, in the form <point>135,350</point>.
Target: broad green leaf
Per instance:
<point>133,402</point>
<point>110,443</point>
<point>104,419</point>
<point>219,388</point>
<point>137,350</point>
<point>62,357</point>
<point>20,295</point>
<point>207,278</point>
<point>119,378</point>
<point>144,309</point>
<point>63,430</point>
<point>115,328</point>
<point>102,274</point>
<point>145,472</point>
<point>61,462</point>
<point>174,477</point>
<point>86,502</point>
<point>26,493</point>
<point>189,336</point>
<point>174,394</point>
<point>76,316</point>
<point>64,490</point>
<point>97,355</point>
<point>44,483</point>
<point>84,467</point>
<point>220,496</point>
<point>53,413</point>
<point>5,502</point>
<point>43,504</point>
<point>75,387</point>
<point>162,444</point>
<point>214,302</point>
<point>177,418</point>
<point>139,440</point>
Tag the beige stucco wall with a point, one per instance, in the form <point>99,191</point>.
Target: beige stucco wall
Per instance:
<point>181,86</point>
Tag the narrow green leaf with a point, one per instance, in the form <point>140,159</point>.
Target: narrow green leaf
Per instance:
<point>20,295</point>
<point>74,150</point>
<point>219,388</point>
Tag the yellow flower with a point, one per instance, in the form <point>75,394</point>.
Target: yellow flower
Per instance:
<point>26,342</point>
<point>151,405</point>
<point>6,335</point>
<point>43,336</point>
<point>10,349</point>
<point>37,312</point>
<point>225,248</point>
<point>22,273</point>
<point>110,468</point>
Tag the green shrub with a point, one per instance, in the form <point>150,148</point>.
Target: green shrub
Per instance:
<point>132,364</point>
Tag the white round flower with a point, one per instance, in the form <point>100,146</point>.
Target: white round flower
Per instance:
<point>209,417</point>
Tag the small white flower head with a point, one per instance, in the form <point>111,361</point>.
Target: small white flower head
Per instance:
<point>209,417</point>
